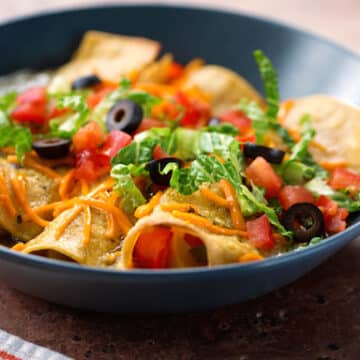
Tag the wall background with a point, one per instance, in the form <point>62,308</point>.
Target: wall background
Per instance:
<point>336,19</point>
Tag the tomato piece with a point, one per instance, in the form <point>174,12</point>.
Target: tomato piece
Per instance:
<point>90,165</point>
<point>261,173</point>
<point>260,234</point>
<point>193,241</point>
<point>175,71</point>
<point>36,94</point>
<point>159,153</point>
<point>35,113</point>
<point>96,97</point>
<point>149,123</point>
<point>334,216</point>
<point>293,194</point>
<point>31,106</point>
<point>195,112</point>
<point>343,179</point>
<point>152,249</point>
<point>54,111</point>
<point>115,141</point>
<point>88,137</point>
<point>238,119</point>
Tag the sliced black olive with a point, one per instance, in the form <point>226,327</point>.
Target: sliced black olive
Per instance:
<point>125,115</point>
<point>305,220</point>
<point>214,121</point>
<point>274,156</point>
<point>52,148</point>
<point>155,167</point>
<point>85,82</point>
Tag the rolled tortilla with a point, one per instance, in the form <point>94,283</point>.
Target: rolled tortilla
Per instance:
<point>70,244</point>
<point>337,127</point>
<point>220,249</point>
<point>110,56</point>
<point>40,190</point>
<point>225,87</point>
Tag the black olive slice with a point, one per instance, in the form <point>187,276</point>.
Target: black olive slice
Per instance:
<point>305,220</point>
<point>124,115</point>
<point>52,148</point>
<point>156,166</point>
<point>85,82</point>
<point>274,156</point>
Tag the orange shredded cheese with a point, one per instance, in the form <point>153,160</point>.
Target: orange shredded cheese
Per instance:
<point>201,221</point>
<point>19,188</point>
<point>64,186</point>
<point>215,198</point>
<point>84,187</point>
<point>146,209</point>
<point>333,165</point>
<point>233,205</point>
<point>18,247</point>
<point>249,257</point>
<point>120,216</point>
<point>319,146</point>
<point>29,162</point>
<point>60,230</point>
<point>285,109</point>
<point>185,207</point>
<point>5,196</point>
<point>111,226</point>
<point>87,225</point>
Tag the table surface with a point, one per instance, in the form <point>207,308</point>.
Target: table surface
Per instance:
<point>314,318</point>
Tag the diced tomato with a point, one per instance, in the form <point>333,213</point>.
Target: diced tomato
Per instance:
<point>175,70</point>
<point>90,165</point>
<point>196,113</point>
<point>115,141</point>
<point>149,123</point>
<point>334,217</point>
<point>30,112</point>
<point>260,234</point>
<point>246,138</point>
<point>159,153</point>
<point>192,240</point>
<point>152,249</point>
<point>293,194</point>
<point>36,94</point>
<point>88,137</point>
<point>343,179</point>
<point>31,106</point>
<point>54,111</point>
<point>238,119</point>
<point>261,173</point>
<point>96,97</point>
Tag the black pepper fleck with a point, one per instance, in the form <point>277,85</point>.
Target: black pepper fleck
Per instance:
<point>19,219</point>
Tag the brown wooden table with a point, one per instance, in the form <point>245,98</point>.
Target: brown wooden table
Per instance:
<point>315,318</point>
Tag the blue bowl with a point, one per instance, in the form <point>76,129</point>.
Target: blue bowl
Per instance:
<point>306,64</point>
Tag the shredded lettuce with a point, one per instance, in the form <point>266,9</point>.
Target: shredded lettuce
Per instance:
<point>67,125</point>
<point>224,128</point>
<point>130,195</point>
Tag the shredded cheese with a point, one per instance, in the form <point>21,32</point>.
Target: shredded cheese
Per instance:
<point>18,185</point>
<point>5,196</point>
<point>249,257</point>
<point>201,221</point>
<point>146,209</point>
<point>87,225</point>
<point>233,205</point>
<point>213,197</point>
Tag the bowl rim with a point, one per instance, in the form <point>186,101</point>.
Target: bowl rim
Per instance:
<point>41,263</point>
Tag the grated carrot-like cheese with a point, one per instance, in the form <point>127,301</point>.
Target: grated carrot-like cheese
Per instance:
<point>87,225</point>
<point>200,221</point>
<point>5,196</point>
<point>60,230</point>
<point>333,165</point>
<point>249,257</point>
<point>146,209</point>
<point>285,109</point>
<point>35,165</point>
<point>233,205</point>
<point>65,184</point>
<point>18,185</point>
<point>213,197</point>
<point>84,187</point>
<point>18,247</point>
